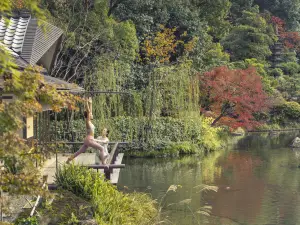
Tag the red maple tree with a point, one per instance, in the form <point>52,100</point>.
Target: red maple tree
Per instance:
<point>233,96</point>
<point>291,40</point>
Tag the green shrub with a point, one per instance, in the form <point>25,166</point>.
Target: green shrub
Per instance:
<point>286,113</point>
<point>184,148</point>
<point>110,206</point>
<point>164,131</point>
<point>66,208</point>
<point>27,221</point>
<point>276,72</point>
<point>166,150</point>
<point>273,126</point>
<point>210,137</point>
<point>292,109</point>
<point>290,68</point>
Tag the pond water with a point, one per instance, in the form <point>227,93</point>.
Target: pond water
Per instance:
<point>258,181</point>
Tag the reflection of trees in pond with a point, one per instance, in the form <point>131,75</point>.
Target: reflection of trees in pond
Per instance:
<point>210,167</point>
<point>281,198</point>
<point>236,198</point>
<point>155,176</point>
<point>161,173</point>
<point>265,141</point>
<point>242,164</point>
<point>260,186</point>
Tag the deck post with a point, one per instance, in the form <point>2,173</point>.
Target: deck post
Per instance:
<point>113,157</point>
<point>107,172</point>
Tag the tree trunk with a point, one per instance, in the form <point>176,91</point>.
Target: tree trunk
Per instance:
<point>217,119</point>
<point>224,112</point>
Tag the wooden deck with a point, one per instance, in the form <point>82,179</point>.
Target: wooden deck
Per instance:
<point>85,159</point>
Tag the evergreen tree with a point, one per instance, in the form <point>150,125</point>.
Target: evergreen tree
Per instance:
<point>237,8</point>
<point>251,37</point>
<point>288,10</point>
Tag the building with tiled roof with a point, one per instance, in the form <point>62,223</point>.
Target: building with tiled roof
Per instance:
<point>32,42</point>
<point>29,42</point>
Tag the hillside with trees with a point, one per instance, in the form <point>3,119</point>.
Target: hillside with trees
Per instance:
<point>162,52</point>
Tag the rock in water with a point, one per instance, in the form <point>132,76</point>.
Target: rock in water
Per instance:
<point>296,143</point>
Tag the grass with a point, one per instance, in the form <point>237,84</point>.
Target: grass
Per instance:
<point>109,205</point>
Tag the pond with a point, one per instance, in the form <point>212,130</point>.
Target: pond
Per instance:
<point>258,181</point>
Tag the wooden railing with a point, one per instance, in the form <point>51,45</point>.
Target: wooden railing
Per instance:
<point>38,197</point>
<point>108,168</point>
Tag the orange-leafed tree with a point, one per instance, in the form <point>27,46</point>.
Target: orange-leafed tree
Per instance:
<point>162,45</point>
<point>158,50</point>
<point>233,96</point>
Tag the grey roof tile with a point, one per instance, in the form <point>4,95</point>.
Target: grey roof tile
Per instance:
<point>44,39</point>
<point>30,40</point>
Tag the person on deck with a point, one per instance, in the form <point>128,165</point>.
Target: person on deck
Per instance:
<point>103,140</point>
<point>89,141</point>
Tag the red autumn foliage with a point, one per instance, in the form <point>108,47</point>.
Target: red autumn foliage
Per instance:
<point>233,96</point>
<point>279,22</point>
<point>291,40</point>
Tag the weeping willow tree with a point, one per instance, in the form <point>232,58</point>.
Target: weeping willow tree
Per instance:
<point>155,71</point>
<point>111,75</point>
<point>169,89</point>
<point>96,51</point>
<point>178,90</point>
<point>169,80</point>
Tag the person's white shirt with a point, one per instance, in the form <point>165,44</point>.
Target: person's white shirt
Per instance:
<point>104,142</point>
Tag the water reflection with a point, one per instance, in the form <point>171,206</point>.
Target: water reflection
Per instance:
<point>241,192</point>
<point>258,180</point>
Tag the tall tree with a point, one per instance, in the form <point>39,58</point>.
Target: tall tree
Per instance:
<point>237,8</point>
<point>196,18</point>
<point>185,15</point>
<point>215,14</point>
<point>288,10</point>
<point>251,37</point>
<point>89,38</point>
<point>157,51</point>
<point>201,19</point>
<point>233,96</point>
